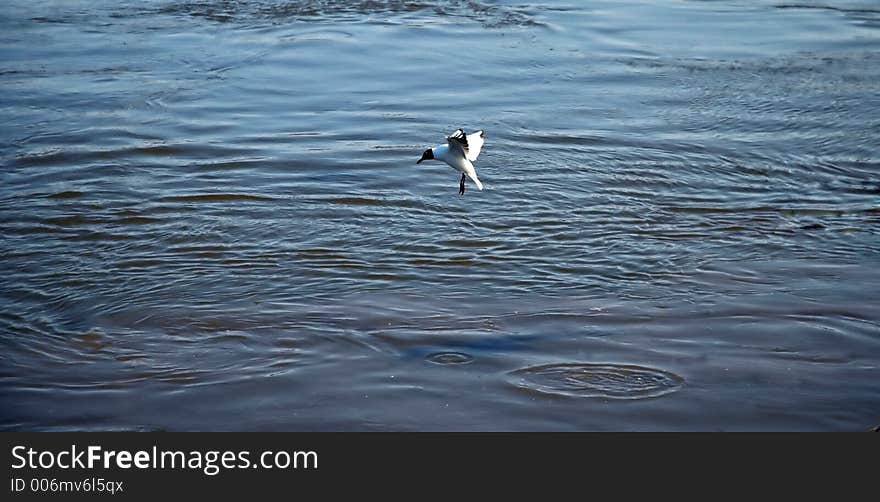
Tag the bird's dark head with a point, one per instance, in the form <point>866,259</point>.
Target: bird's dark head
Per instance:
<point>426,155</point>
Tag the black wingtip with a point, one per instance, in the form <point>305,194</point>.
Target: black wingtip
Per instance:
<point>459,136</point>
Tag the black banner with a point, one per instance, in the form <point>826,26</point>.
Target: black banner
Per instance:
<point>132,466</point>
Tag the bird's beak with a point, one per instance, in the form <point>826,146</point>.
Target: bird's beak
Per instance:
<point>420,160</point>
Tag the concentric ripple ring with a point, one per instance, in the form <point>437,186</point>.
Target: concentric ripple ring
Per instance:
<point>449,358</point>
<point>597,380</point>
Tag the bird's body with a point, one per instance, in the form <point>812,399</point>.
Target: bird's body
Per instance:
<point>459,152</point>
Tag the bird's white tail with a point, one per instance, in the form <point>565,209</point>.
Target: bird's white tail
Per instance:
<point>476,180</point>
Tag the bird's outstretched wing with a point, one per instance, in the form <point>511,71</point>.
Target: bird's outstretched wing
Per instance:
<point>475,144</point>
<point>469,144</point>
<point>458,141</point>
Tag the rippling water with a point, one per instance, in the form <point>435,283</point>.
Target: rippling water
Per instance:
<point>212,218</point>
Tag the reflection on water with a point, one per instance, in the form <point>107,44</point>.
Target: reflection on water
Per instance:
<point>214,208</point>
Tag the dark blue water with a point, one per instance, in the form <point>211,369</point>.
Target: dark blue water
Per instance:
<point>212,218</point>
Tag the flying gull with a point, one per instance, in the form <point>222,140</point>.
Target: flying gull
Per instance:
<point>460,151</point>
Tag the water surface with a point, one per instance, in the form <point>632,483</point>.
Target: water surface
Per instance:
<point>212,218</point>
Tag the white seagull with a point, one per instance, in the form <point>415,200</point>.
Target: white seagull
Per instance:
<point>459,152</point>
